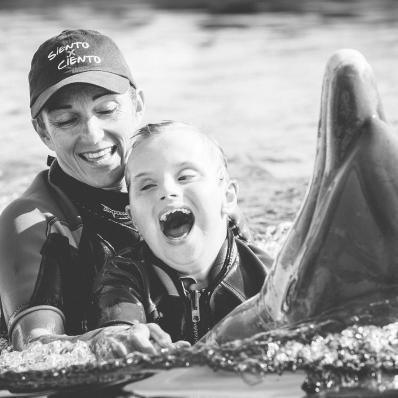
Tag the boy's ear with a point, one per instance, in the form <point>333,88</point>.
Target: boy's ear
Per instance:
<point>231,198</point>
<point>128,211</point>
<point>41,130</point>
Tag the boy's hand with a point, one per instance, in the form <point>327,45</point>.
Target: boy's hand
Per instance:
<point>118,341</point>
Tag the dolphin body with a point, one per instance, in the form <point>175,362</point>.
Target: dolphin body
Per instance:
<point>340,258</point>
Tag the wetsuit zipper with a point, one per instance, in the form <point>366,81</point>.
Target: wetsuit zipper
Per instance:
<point>195,313</point>
<point>195,295</point>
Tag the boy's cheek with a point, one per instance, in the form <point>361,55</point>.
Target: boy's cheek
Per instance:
<point>135,215</point>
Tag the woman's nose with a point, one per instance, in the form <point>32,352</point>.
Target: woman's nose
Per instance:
<point>92,129</point>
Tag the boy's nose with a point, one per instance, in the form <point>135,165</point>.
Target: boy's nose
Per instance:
<point>165,196</point>
<point>169,189</point>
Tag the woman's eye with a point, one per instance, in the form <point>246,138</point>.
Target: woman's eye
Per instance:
<point>63,122</point>
<point>107,109</point>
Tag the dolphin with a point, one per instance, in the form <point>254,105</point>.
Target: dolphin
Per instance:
<point>340,257</point>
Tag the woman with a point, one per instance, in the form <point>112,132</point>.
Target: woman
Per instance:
<point>85,106</point>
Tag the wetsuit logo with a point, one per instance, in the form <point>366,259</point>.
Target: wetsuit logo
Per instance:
<point>121,215</point>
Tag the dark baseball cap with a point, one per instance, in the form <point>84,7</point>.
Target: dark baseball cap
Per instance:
<point>76,56</point>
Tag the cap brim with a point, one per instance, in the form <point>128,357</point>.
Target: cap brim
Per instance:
<point>109,81</point>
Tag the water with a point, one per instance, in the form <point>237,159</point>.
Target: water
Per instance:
<point>251,80</point>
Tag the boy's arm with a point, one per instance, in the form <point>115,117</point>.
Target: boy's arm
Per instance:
<point>121,300</point>
<point>119,292</point>
<point>119,340</point>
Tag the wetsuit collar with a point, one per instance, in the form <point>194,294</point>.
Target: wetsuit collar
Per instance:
<point>222,264</point>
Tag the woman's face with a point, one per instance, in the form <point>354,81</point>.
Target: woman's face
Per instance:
<point>89,129</point>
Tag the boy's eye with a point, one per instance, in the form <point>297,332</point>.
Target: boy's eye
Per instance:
<point>145,187</point>
<point>187,176</point>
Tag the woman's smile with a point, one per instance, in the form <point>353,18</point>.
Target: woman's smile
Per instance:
<point>99,155</point>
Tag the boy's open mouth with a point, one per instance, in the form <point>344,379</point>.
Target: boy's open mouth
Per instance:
<point>176,223</point>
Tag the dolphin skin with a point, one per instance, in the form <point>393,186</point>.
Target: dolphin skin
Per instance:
<point>341,254</point>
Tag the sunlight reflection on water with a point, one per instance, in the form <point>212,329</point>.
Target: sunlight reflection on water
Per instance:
<point>252,81</point>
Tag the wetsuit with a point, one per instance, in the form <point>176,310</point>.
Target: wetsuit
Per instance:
<point>136,285</point>
<point>54,239</point>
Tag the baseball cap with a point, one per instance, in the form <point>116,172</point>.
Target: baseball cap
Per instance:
<point>76,56</point>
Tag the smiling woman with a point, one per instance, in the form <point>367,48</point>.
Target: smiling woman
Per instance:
<point>56,236</point>
<point>89,129</point>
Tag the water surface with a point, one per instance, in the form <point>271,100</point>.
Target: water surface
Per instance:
<point>251,80</point>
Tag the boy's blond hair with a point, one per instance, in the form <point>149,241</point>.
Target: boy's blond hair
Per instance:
<point>152,129</point>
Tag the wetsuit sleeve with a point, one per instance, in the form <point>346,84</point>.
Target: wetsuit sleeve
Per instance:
<point>255,265</point>
<point>120,292</point>
<point>263,256</point>
<point>22,238</point>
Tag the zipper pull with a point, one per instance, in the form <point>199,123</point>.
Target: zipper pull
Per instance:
<point>195,311</point>
<point>195,306</point>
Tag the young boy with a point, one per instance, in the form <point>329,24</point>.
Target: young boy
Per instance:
<point>189,271</point>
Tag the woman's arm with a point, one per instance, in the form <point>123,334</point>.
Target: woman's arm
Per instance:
<point>23,235</point>
<point>34,323</point>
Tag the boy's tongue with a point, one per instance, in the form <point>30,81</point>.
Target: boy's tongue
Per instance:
<point>177,224</point>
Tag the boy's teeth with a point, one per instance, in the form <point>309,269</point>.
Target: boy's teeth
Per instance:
<point>164,216</point>
<point>176,223</point>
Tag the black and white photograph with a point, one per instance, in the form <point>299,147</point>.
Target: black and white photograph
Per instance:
<point>199,198</point>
